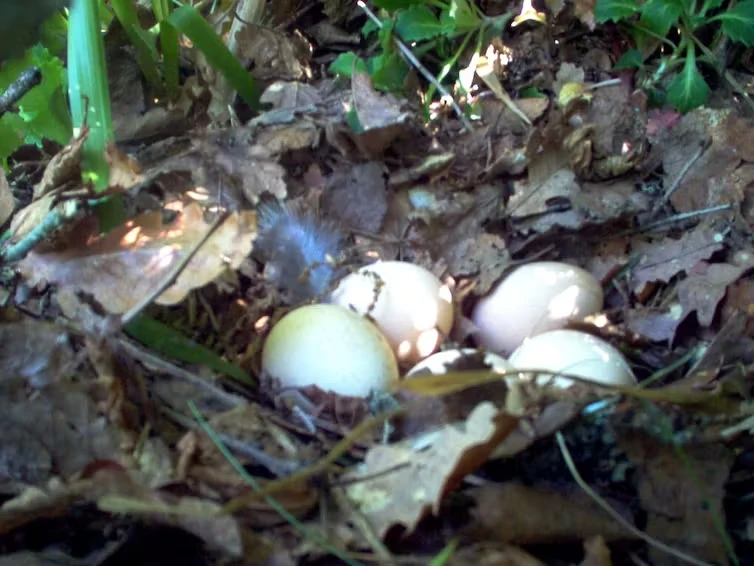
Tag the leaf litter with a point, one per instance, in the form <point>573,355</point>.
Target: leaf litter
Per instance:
<point>597,180</point>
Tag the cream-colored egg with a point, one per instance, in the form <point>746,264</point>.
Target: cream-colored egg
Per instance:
<point>534,298</point>
<point>438,363</point>
<point>411,306</point>
<point>330,347</point>
<point>572,353</point>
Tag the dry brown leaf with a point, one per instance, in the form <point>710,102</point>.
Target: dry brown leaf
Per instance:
<point>356,196</point>
<point>277,140</point>
<point>656,324</point>
<point>28,218</point>
<point>596,553</point>
<point>34,352</point>
<point>124,171</point>
<point>664,259</point>
<point>289,95</point>
<point>723,174</point>
<point>493,554</point>
<point>706,286</point>
<point>399,484</point>
<point>59,431</point>
<point>682,495</point>
<point>584,11</point>
<point>64,166</point>
<point>525,515</point>
<point>273,54</point>
<point>122,267</point>
<point>7,202</point>
<point>380,116</point>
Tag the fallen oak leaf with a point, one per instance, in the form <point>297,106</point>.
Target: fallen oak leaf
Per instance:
<point>121,267</point>
<point>399,484</point>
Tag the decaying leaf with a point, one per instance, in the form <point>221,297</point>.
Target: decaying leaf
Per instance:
<point>120,268</point>
<point>399,484</point>
<point>34,352</point>
<point>521,514</point>
<point>682,494</point>
<point>7,202</point>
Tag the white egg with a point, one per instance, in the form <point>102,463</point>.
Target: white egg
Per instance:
<point>534,298</point>
<point>572,353</point>
<point>438,363</point>
<point>330,347</point>
<point>412,307</point>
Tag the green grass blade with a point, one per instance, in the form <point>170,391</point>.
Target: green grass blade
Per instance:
<point>89,97</point>
<point>189,22</point>
<point>169,342</point>
<point>142,40</point>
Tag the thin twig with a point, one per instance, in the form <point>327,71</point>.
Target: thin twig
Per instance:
<point>26,81</point>
<point>684,216</point>
<point>53,220</point>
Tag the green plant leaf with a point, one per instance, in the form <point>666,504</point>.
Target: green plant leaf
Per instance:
<point>418,23</point>
<point>709,5</point>
<point>169,342</point>
<point>369,28</point>
<point>11,135</point>
<point>660,15</point>
<point>89,98</point>
<point>385,36</point>
<point>738,22</point>
<point>169,38</point>
<point>143,42</point>
<point>388,72</point>
<point>459,19</point>
<point>54,33</point>
<point>496,26</point>
<point>531,92</point>
<point>444,556</point>
<point>191,23</point>
<point>393,5</point>
<point>614,10</point>
<point>344,65</point>
<point>688,89</point>
<point>42,112</point>
<point>631,59</point>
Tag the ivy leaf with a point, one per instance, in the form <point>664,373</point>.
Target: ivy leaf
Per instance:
<point>418,23</point>
<point>660,15</point>
<point>688,89</point>
<point>614,10</point>
<point>738,22</point>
